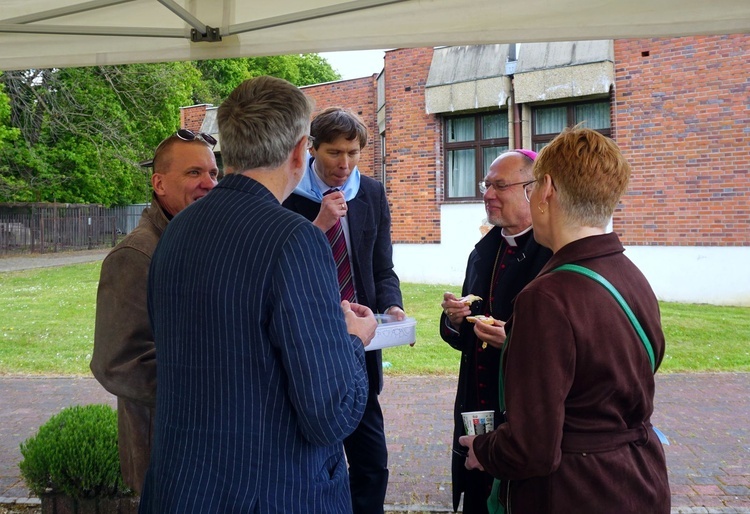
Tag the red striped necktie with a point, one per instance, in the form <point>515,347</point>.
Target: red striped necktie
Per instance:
<point>336,239</point>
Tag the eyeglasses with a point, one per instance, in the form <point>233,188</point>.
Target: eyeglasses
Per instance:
<point>185,135</point>
<point>528,188</point>
<point>310,141</point>
<point>189,135</point>
<point>485,185</point>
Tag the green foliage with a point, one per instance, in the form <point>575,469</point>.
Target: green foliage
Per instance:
<point>83,130</point>
<point>221,76</point>
<point>76,135</point>
<point>75,453</point>
<point>314,69</point>
<point>7,132</point>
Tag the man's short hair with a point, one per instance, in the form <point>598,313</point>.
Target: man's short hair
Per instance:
<point>335,122</point>
<point>162,159</point>
<point>260,122</point>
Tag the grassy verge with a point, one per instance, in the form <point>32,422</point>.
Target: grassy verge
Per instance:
<point>47,327</point>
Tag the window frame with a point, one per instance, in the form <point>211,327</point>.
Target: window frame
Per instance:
<point>478,145</point>
<point>571,121</point>
<point>383,158</point>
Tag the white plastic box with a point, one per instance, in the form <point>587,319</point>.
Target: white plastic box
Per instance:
<point>392,333</point>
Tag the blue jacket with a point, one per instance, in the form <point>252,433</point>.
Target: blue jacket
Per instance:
<point>259,381</point>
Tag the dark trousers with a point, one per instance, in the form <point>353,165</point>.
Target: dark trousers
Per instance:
<point>367,455</point>
<point>478,489</point>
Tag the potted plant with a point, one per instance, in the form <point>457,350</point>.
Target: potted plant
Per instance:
<point>73,464</point>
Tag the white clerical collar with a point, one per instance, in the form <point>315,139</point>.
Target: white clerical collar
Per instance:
<point>511,240</point>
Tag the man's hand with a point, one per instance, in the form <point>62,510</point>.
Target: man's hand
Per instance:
<point>471,460</point>
<point>332,208</point>
<point>360,321</point>
<point>399,314</point>
<point>493,335</point>
<point>396,312</point>
<point>455,309</point>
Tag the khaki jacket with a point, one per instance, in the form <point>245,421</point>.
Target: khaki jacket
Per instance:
<point>124,358</point>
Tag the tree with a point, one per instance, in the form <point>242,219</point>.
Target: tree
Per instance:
<point>83,130</point>
<point>76,135</point>
<point>314,69</point>
<point>221,76</point>
<point>8,135</point>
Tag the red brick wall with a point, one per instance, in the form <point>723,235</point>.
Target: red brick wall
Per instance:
<point>413,149</point>
<point>413,143</point>
<point>191,117</point>
<point>681,115</point>
<point>682,119</point>
<point>359,95</point>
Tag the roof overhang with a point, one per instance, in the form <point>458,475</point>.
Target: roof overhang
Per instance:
<point>61,33</point>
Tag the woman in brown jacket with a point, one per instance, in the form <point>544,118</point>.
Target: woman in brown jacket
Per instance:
<point>578,380</point>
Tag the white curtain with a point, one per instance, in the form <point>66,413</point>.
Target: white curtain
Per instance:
<point>461,173</point>
<point>460,129</point>
<point>495,126</point>
<point>461,164</point>
<point>550,120</point>
<point>490,154</point>
<point>595,116</point>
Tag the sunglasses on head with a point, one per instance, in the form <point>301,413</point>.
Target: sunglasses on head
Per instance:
<point>189,135</point>
<point>185,135</point>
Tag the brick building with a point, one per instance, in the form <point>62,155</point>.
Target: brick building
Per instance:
<point>679,109</point>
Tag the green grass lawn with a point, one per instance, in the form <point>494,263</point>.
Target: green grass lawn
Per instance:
<point>47,327</point>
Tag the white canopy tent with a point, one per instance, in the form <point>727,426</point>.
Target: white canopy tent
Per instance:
<point>61,33</point>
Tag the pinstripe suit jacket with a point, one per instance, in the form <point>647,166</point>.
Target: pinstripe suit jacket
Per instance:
<point>259,381</point>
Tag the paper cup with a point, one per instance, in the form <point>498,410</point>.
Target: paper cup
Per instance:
<point>479,422</point>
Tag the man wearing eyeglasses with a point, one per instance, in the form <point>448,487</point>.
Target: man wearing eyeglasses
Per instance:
<point>501,264</point>
<point>124,359</point>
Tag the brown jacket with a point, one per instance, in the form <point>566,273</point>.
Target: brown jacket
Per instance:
<point>579,392</point>
<point>124,359</point>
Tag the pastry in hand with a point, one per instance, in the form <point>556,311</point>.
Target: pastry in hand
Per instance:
<point>469,299</point>
<point>487,320</point>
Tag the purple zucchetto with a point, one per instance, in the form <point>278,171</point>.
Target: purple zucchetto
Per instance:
<point>528,153</point>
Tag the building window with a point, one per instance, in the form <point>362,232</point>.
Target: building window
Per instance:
<point>549,121</point>
<point>471,144</point>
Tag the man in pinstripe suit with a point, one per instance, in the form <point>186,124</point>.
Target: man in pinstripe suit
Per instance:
<point>261,376</point>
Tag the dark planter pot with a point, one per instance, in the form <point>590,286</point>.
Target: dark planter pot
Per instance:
<point>61,504</point>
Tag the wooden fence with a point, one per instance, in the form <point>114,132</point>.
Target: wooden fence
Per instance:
<point>46,228</point>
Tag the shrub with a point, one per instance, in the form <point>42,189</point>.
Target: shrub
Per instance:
<point>75,453</point>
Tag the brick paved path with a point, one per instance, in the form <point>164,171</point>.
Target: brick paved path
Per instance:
<point>706,417</point>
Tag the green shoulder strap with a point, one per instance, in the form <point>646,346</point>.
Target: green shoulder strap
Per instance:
<point>493,503</point>
<point>616,294</point>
